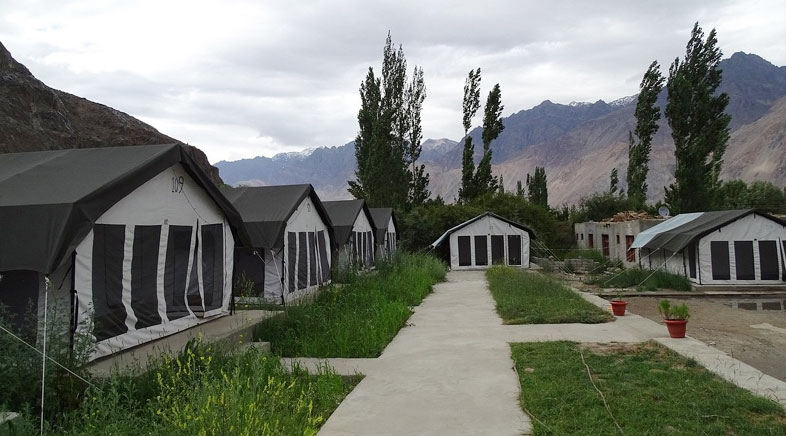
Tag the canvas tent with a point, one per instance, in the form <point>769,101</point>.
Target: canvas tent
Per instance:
<point>733,247</point>
<point>485,240</point>
<point>291,240</point>
<point>136,241</point>
<point>352,224</point>
<point>386,231</point>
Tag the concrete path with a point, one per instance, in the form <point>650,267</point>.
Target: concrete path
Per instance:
<point>448,374</point>
<point>450,371</point>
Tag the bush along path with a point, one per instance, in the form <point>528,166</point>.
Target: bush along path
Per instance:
<point>356,319</point>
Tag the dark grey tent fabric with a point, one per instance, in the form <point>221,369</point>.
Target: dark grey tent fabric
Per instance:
<point>381,217</point>
<point>679,237</point>
<point>265,210</point>
<point>343,214</point>
<point>50,200</point>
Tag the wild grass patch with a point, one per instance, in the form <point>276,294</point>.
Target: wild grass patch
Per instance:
<point>524,297</point>
<point>648,388</point>
<point>642,279</point>
<point>207,390</point>
<point>359,318</point>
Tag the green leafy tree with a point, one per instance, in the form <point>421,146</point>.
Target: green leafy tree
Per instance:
<point>492,126</point>
<point>537,188</point>
<point>416,94</point>
<point>764,196</point>
<point>614,181</point>
<point>700,127</point>
<point>386,148</point>
<point>639,147</point>
<point>470,106</point>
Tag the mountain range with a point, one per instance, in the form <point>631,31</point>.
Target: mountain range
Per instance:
<point>35,117</point>
<point>578,144</point>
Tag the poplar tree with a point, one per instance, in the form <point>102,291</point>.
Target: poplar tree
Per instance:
<point>470,106</point>
<point>699,124</point>
<point>639,147</point>
<point>484,181</point>
<point>388,142</point>
<point>614,181</point>
<point>537,189</point>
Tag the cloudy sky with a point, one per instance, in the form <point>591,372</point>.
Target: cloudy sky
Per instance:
<point>246,78</point>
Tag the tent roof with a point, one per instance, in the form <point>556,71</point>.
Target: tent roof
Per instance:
<point>343,214</point>
<point>50,200</point>
<point>676,233</point>
<point>381,216</point>
<point>266,209</point>
<point>447,234</point>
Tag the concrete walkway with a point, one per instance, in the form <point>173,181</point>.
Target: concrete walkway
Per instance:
<point>450,371</point>
<point>448,374</point>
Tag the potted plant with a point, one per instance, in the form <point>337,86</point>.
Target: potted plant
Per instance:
<point>618,305</point>
<point>675,317</point>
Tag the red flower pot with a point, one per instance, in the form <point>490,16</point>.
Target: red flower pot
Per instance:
<point>676,327</point>
<point>618,307</point>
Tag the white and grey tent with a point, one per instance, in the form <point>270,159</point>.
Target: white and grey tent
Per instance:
<point>386,228</point>
<point>291,240</point>
<point>733,247</point>
<point>485,240</point>
<point>137,241</point>
<point>354,230</point>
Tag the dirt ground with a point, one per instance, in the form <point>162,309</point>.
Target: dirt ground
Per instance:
<point>731,330</point>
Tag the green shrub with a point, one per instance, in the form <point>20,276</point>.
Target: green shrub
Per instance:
<point>644,280</point>
<point>676,312</point>
<point>359,318</point>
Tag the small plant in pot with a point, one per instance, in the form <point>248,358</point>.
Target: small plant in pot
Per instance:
<point>675,317</point>
<point>618,305</point>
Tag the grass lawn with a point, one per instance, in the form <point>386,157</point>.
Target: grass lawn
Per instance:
<point>643,279</point>
<point>524,297</point>
<point>357,319</point>
<point>649,389</point>
<point>206,390</point>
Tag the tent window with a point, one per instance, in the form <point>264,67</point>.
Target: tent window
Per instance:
<point>692,260</point>
<point>464,251</point>
<point>253,268</point>
<point>630,253</point>
<point>481,250</point>
<point>193,296</point>
<point>783,261</point>
<point>302,261</point>
<point>497,250</point>
<point>768,260</point>
<point>363,248</point>
<point>719,254</point>
<point>354,247</point>
<point>144,276</point>
<point>19,291</point>
<point>312,259</point>
<point>213,265</point>
<point>514,249</point>
<point>323,256</point>
<point>370,248</point>
<point>291,259</point>
<point>743,259</point>
<point>110,314</point>
<point>176,270</point>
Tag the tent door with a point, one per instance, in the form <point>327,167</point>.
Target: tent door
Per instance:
<point>481,250</point>
<point>497,250</point>
<point>464,251</point>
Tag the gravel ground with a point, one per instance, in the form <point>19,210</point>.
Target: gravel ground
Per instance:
<point>731,330</point>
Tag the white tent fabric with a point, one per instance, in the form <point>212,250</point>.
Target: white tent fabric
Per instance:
<point>159,261</point>
<point>487,241</point>
<point>362,241</point>
<point>390,243</point>
<point>745,251</point>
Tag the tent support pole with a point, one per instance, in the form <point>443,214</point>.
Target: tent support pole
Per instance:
<point>74,306</point>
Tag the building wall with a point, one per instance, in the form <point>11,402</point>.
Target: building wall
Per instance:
<point>617,233</point>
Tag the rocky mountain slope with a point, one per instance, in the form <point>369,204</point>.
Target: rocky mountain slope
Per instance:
<point>35,117</point>
<point>579,144</point>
